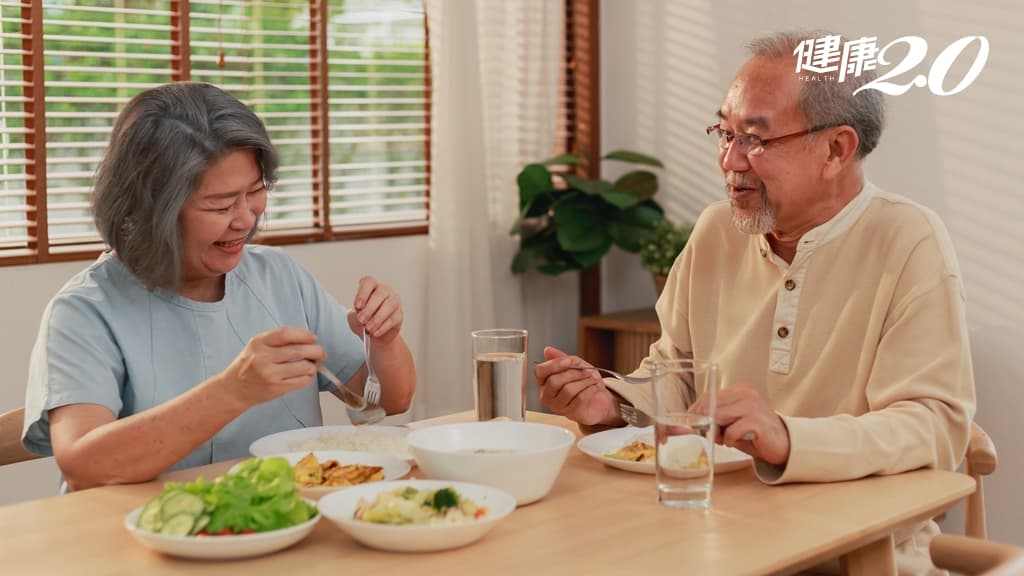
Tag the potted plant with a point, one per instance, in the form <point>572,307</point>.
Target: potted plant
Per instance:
<point>567,222</point>
<point>660,253</point>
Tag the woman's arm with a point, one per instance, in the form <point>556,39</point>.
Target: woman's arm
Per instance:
<point>92,447</point>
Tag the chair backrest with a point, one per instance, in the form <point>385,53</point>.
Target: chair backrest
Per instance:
<point>981,461</point>
<point>972,556</point>
<point>11,450</point>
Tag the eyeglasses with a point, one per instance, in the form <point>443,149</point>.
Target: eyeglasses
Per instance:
<point>752,144</point>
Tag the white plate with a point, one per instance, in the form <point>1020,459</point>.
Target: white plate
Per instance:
<point>393,467</point>
<point>334,438</point>
<point>597,445</point>
<point>340,507</point>
<point>219,547</point>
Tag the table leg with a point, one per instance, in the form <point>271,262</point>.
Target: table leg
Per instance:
<point>877,558</point>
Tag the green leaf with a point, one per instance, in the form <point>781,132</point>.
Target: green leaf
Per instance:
<point>562,159</point>
<point>536,207</point>
<point>533,181</point>
<point>641,184</point>
<point>591,257</point>
<point>555,268</point>
<point>634,157</point>
<point>579,227</point>
<point>619,199</point>
<point>635,226</point>
<point>592,187</point>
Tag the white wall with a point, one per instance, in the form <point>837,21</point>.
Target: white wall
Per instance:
<point>666,65</point>
<point>25,291</point>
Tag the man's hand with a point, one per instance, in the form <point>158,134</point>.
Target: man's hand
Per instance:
<point>742,411</point>
<point>568,388</point>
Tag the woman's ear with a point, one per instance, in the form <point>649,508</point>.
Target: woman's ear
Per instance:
<point>842,149</point>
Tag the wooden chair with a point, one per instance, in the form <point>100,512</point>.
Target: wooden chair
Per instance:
<point>11,450</point>
<point>972,556</point>
<point>980,462</point>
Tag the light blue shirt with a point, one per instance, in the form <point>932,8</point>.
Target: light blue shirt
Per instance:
<point>104,339</point>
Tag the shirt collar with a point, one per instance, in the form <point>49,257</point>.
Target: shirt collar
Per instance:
<point>835,226</point>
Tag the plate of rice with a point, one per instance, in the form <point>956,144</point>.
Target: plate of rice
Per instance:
<point>389,440</point>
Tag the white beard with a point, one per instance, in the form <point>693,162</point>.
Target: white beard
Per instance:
<point>760,222</point>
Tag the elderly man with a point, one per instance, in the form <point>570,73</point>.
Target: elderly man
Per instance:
<point>834,309</point>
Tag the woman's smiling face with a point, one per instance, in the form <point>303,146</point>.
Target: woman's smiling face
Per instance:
<point>216,220</point>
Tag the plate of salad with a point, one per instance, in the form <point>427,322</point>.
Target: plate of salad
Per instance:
<point>417,515</point>
<point>254,509</point>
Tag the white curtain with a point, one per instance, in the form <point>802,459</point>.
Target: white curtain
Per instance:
<point>495,74</point>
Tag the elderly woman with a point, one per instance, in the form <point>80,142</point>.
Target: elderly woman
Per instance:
<point>183,344</point>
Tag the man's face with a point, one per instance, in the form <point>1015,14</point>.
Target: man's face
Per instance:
<point>778,189</point>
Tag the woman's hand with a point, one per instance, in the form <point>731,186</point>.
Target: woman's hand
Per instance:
<point>377,309</point>
<point>274,363</point>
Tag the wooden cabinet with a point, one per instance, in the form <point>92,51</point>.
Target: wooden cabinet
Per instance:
<point>619,340</point>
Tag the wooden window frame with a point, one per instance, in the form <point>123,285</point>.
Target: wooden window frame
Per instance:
<point>39,250</point>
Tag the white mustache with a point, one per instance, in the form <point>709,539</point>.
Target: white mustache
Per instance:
<point>739,181</point>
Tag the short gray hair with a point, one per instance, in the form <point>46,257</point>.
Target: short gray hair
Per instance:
<point>162,143</point>
<point>830,103</point>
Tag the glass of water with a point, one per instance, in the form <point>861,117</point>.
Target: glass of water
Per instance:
<point>685,396</point>
<point>499,374</point>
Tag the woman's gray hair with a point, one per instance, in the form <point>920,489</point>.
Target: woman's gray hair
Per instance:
<point>830,103</point>
<point>162,143</point>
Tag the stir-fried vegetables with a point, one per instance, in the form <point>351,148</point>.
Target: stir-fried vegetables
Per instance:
<point>258,495</point>
<point>411,506</point>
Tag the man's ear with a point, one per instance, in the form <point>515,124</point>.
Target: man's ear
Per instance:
<point>842,149</point>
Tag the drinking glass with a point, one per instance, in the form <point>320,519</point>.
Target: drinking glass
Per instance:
<point>685,396</point>
<point>499,374</point>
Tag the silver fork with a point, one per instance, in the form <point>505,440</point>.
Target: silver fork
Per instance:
<point>630,379</point>
<point>634,416</point>
<point>371,390</point>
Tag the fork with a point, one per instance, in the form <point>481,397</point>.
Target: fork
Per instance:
<point>630,379</point>
<point>371,390</point>
<point>634,416</point>
<point>639,419</point>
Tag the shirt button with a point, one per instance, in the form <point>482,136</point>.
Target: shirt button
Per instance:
<point>764,253</point>
<point>790,284</point>
<point>783,332</point>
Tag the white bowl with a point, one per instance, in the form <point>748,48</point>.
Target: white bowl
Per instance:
<point>393,467</point>
<point>340,507</point>
<point>219,547</point>
<point>521,458</point>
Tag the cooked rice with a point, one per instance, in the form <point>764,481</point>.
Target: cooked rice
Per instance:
<point>358,440</point>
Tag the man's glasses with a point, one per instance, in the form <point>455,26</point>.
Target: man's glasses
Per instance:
<point>752,144</point>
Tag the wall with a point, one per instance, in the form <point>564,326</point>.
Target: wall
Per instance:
<point>666,65</point>
<point>25,291</point>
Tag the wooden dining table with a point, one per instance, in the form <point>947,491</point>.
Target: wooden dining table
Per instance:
<point>596,520</point>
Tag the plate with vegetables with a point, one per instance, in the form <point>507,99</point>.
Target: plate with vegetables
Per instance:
<point>254,509</point>
<point>417,515</point>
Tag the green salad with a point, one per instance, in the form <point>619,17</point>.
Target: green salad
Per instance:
<point>411,506</point>
<point>257,495</point>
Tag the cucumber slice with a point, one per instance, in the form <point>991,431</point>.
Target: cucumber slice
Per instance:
<point>182,503</point>
<point>180,525</point>
<point>201,523</point>
<point>150,518</point>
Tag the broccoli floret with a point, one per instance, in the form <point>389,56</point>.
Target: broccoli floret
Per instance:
<point>445,498</point>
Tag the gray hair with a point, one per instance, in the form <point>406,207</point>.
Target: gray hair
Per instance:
<point>830,103</point>
<point>162,143</point>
